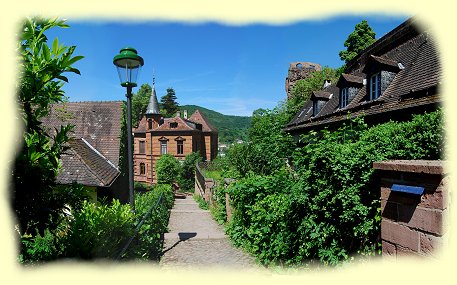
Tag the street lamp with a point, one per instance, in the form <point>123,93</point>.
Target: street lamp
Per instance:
<point>128,64</point>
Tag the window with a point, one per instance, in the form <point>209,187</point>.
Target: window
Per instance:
<point>163,147</point>
<point>344,97</point>
<point>142,169</point>
<point>180,146</point>
<point>142,150</point>
<point>173,125</point>
<point>315,106</point>
<point>150,124</point>
<point>375,86</point>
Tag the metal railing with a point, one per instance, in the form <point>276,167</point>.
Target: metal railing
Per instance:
<point>138,226</point>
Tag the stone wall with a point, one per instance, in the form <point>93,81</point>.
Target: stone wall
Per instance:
<point>299,70</point>
<point>412,224</point>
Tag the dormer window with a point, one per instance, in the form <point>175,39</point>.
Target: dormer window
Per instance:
<point>315,108</point>
<point>381,72</point>
<point>349,85</point>
<point>375,86</point>
<point>344,97</point>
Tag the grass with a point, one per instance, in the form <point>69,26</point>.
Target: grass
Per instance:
<point>201,202</point>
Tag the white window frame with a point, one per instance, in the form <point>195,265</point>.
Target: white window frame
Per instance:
<point>344,98</point>
<point>375,86</point>
<point>163,147</point>
<point>180,147</point>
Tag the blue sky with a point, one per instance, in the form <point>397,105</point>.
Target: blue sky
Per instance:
<point>233,70</point>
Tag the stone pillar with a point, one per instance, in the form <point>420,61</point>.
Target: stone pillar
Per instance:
<point>412,224</point>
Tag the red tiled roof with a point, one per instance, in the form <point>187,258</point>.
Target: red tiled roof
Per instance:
<point>199,118</point>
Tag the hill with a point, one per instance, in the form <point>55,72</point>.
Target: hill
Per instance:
<point>231,128</point>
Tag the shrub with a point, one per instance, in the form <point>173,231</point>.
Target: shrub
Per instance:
<point>167,169</point>
<point>149,238</point>
<point>99,231</point>
<point>187,176</point>
<point>327,208</point>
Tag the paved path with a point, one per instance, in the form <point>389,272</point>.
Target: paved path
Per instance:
<point>195,240</point>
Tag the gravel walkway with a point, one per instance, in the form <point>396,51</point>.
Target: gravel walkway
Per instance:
<point>195,240</point>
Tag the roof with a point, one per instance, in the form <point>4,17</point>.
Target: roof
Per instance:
<point>350,78</point>
<point>83,164</point>
<point>415,83</point>
<point>199,118</point>
<point>99,123</point>
<point>180,124</point>
<point>196,122</point>
<point>153,105</point>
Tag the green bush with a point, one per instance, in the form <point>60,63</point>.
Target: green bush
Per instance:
<point>167,169</point>
<point>99,231</point>
<point>187,175</point>
<point>148,244</point>
<point>327,207</point>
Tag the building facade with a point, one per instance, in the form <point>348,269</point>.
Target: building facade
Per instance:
<point>178,136</point>
<point>397,76</point>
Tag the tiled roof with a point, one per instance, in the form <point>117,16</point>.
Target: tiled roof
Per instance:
<point>351,78</point>
<point>83,164</point>
<point>181,124</point>
<point>415,84</point>
<point>321,94</point>
<point>199,118</point>
<point>99,123</point>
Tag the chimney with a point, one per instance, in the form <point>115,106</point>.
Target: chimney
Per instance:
<point>327,83</point>
<point>178,114</point>
<point>185,114</point>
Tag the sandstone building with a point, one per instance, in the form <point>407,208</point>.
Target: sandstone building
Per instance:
<point>178,136</point>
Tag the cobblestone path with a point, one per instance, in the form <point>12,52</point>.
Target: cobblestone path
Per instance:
<point>195,240</point>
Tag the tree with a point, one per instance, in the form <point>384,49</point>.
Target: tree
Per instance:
<point>362,37</point>
<point>140,102</point>
<point>36,200</point>
<point>167,169</point>
<point>169,104</point>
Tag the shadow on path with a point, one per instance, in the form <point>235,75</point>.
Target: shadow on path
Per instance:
<point>182,237</point>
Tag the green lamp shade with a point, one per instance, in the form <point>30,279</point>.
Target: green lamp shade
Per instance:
<point>128,64</point>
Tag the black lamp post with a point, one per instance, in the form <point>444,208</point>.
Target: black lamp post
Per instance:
<point>128,64</point>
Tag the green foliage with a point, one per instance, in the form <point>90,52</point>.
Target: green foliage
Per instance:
<point>201,202</point>
<point>187,175</point>
<point>99,231</point>
<point>268,148</point>
<point>169,104</point>
<point>326,209</point>
<point>362,37</point>
<point>42,68</point>
<point>140,102</point>
<point>303,88</point>
<point>167,169</point>
<point>230,128</point>
<point>149,243</point>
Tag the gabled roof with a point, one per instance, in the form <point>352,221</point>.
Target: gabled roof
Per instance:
<point>323,95</point>
<point>99,123</point>
<point>350,78</point>
<point>83,164</point>
<point>181,124</point>
<point>199,118</point>
<point>411,54</point>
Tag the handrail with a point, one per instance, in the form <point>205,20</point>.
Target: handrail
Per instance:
<point>137,228</point>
